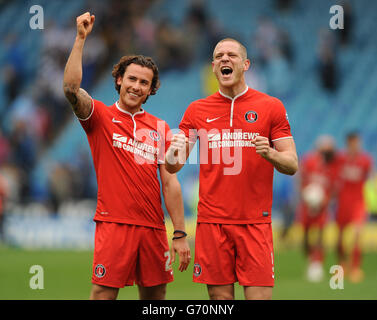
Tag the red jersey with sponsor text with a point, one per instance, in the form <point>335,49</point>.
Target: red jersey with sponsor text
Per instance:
<point>314,170</point>
<point>235,181</point>
<point>126,149</point>
<point>352,176</point>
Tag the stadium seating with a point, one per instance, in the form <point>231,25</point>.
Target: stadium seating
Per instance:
<point>312,111</point>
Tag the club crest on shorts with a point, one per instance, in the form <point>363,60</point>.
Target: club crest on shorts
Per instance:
<point>154,135</point>
<point>197,270</point>
<point>99,270</point>
<point>251,116</point>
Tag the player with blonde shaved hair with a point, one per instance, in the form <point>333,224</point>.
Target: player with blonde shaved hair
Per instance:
<point>244,134</point>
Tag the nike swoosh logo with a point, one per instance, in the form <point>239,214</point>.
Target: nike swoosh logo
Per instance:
<point>116,121</point>
<point>210,120</point>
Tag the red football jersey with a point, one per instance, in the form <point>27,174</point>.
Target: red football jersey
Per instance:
<point>235,181</point>
<point>352,176</point>
<point>314,170</point>
<point>126,151</point>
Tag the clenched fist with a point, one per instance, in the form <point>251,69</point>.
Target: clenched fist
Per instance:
<point>177,150</point>
<point>84,24</point>
<point>262,146</point>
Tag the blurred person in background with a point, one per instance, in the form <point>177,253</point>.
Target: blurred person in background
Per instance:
<point>3,196</point>
<point>23,155</point>
<point>327,65</point>
<point>274,57</point>
<point>346,34</point>
<point>266,39</point>
<point>12,177</point>
<point>233,236</point>
<point>355,168</point>
<point>317,177</point>
<point>284,5</point>
<point>60,185</point>
<point>171,48</point>
<point>13,68</point>
<point>4,148</point>
<point>126,144</point>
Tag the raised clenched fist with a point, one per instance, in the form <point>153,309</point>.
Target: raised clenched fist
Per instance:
<point>84,24</point>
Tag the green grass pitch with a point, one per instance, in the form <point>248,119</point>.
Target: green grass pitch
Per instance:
<point>67,276</point>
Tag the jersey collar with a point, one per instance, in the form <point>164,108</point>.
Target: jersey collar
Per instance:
<point>237,96</point>
<point>232,104</point>
<point>141,111</point>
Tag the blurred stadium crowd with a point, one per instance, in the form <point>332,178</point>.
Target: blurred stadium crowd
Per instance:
<point>326,79</point>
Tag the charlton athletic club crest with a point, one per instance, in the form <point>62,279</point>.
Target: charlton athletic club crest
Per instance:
<point>154,135</point>
<point>197,270</point>
<point>99,271</point>
<point>251,116</point>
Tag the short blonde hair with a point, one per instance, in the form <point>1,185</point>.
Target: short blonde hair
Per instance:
<point>242,47</point>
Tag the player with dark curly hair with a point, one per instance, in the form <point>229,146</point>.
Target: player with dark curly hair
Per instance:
<point>147,62</point>
<point>127,145</point>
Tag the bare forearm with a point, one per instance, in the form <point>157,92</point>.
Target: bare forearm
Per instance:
<point>174,204</point>
<point>73,69</point>
<point>77,97</point>
<point>284,161</point>
<point>171,190</point>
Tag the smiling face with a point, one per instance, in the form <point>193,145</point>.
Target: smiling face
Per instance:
<point>229,65</point>
<point>135,87</point>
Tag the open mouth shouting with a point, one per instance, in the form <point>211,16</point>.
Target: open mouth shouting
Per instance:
<point>226,71</point>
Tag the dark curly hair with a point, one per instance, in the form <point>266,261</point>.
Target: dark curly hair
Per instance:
<point>120,68</point>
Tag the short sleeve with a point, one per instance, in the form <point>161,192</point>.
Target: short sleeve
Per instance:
<point>94,117</point>
<point>280,127</point>
<point>187,124</point>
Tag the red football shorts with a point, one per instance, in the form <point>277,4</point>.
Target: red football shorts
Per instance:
<point>348,213</point>
<point>309,219</point>
<point>127,254</point>
<point>227,253</point>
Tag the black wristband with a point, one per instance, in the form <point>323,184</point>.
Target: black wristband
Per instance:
<point>180,231</point>
<point>184,234</point>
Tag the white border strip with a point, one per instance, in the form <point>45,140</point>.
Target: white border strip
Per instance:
<point>290,137</point>
<point>91,112</point>
<point>126,112</point>
<point>232,104</point>
<point>141,111</point>
<point>238,95</point>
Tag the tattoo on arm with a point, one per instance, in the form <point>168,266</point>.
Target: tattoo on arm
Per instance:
<point>79,100</point>
<point>70,93</point>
